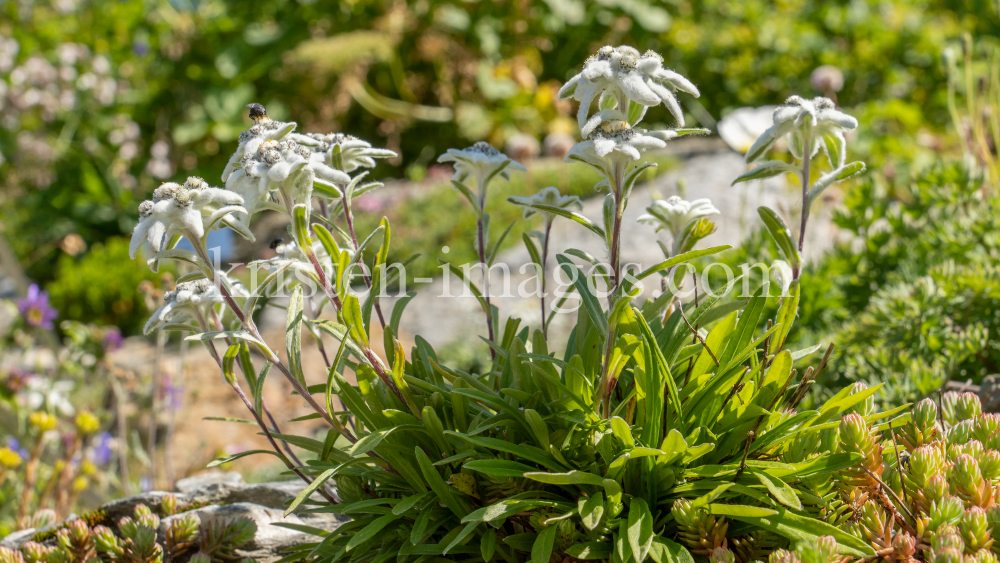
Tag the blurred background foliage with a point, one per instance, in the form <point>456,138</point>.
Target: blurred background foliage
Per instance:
<point>101,101</point>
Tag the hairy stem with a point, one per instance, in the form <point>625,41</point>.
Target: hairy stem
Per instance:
<point>349,216</point>
<point>545,259</point>
<point>482,235</point>
<point>806,157</point>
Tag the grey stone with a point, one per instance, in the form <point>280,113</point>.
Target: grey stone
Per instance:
<point>989,393</point>
<point>270,540</point>
<point>116,509</point>
<point>202,480</point>
<point>15,540</point>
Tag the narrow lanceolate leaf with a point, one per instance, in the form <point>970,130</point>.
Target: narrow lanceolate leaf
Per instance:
<point>293,334</point>
<point>766,170</point>
<point>438,484</point>
<point>369,531</point>
<point>499,467</point>
<point>794,527</point>
<point>781,235</point>
<point>640,529</point>
<point>830,178</point>
<point>786,314</point>
<point>680,259</point>
<point>574,477</point>
<point>780,490</point>
<point>356,324</point>
<point>541,550</point>
<point>590,302</point>
<point>571,215</point>
<point>320,480</point>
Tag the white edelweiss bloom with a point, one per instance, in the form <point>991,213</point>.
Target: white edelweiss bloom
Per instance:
<point>623,74</point>
<point>817,119</point>
<point>482,161</point>
<point>264,129</point>
<point>614,139</point>
<point>548,196</point>
<point>676,215</point>
<point>742,126</point>
<point>187,209</point>
<point>341,153</point>
<point>269,167</point>
<point>188,301</point>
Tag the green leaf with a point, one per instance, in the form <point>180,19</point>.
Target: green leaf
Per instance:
<point>780,490</point>
<point>665,550</point>
<point>320,480</point>
<point>438,485</point>
<point>590,550</point>
<point>786,314</point>
<point>369,531</point>
<point>461,536</point>
<point>235,457</point>
<point>590,302</point>
<point>680,259</point>
<point>794,527</point>
<point>356,324</point>
<point>766,170</point>
<point>293,334</point>
<point>397,310</point>
<point>781,235</point>
<point>571,215</point>
<point>524,452</point>
<point>541,550</point>
<point>591,510</point>
<point>640,529</point>
<point>488,545</point>
<point>499,467</point>
<point>574,477</point>
<point>830,178</point>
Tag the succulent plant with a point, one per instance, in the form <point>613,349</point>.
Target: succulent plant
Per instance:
<point>135,540</point>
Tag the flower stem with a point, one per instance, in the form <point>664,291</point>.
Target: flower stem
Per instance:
<point>607,385</point>
<point>545,259</point>
<point>806,157</point>
<point>486,273</point>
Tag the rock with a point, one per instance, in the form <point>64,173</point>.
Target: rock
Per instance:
<point>15,540</point>
<point>201,480</point>
<point>270,540</point>
<point>989,393</point>
<point>116,509</point>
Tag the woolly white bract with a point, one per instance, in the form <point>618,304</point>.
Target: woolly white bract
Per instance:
<point>549,196</point>
<point>676,215</point>
<point>189,209</point>
<point>816,122</point>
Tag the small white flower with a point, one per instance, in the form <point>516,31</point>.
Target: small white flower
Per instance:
<point>269,167</point>
<point>742,126</point>
<point>265,129</point>
<point>614,139</point>
<point>818,120</point>
<point>187,209</point>
<point>352,153</point>
<point>623,74</point>
<point>548,196</point>
<point>482,161</point>
<point>42,391</point>
<point>676,215</point>
<point>188,300</point>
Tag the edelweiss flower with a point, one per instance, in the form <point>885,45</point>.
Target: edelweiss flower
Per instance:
<point>617,136</point>
<point>676,215</point>
<point>264,129</point>
<point>270,165</point>
<point>548,196</point>
<point>623,74</point>
<point>351,152</point>
<point>817,120</point>
<point>482,161</point>
<point>187,210</point>
<point>743,126</point>
<point>190,301</point>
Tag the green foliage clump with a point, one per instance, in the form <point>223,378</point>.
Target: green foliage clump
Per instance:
<point>912,301</point>
<point>102,286</point>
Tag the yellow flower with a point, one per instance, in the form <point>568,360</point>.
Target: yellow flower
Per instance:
<point>9,458</point>
<point>87,423</point>
<point>43,421</point>
<point>80,483</point>
<point>88,468</point>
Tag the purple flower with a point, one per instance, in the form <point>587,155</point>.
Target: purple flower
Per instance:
<point>15,445</point>
<point>172,395</point>
<point>101,452</point>
<point>145,484</point>
<point>35,308</point>
<point>112,340</point>
<point>17,380</point>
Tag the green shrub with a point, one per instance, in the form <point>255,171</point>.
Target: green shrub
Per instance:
<point>101,286</point>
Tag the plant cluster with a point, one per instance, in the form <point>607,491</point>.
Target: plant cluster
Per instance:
<point>58,450</point>
<point>134,539</point>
